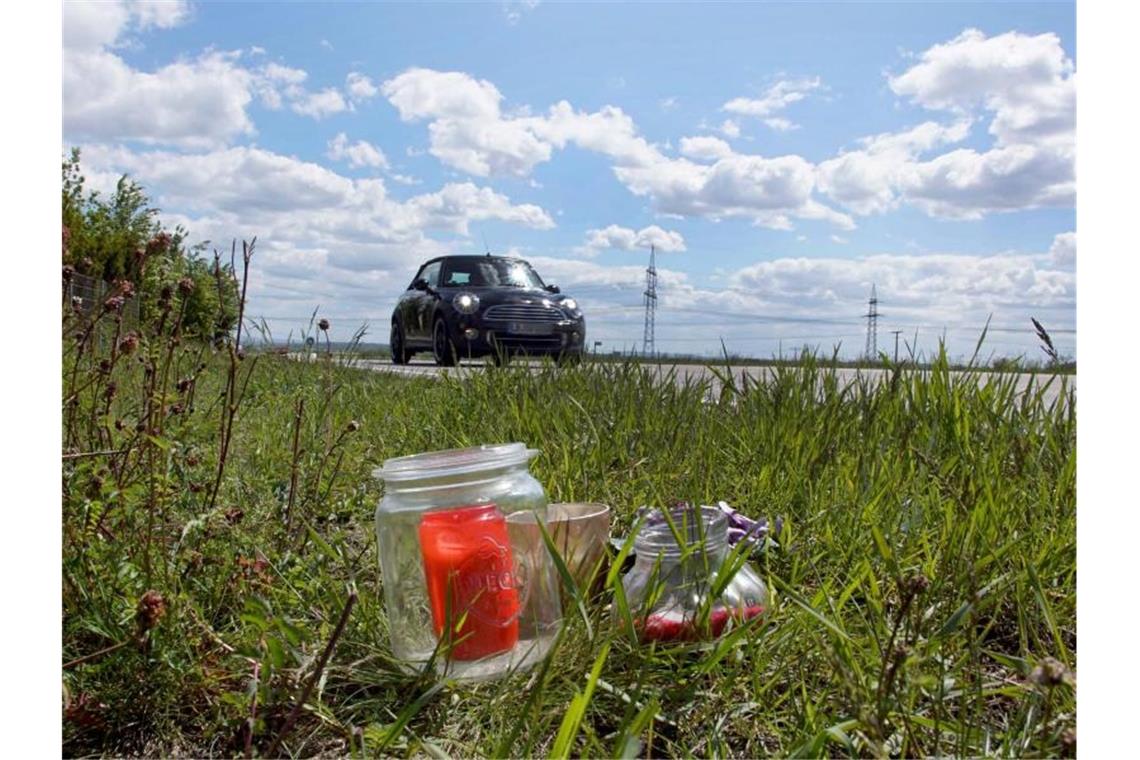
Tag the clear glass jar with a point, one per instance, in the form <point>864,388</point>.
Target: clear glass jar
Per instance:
<point>676,591</point>
<point>467,577</point>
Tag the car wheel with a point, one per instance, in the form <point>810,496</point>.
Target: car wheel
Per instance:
<point>398,345</point>
<point>442,346</point>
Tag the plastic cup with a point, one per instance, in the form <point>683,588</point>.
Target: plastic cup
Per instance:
<point>580,531</point>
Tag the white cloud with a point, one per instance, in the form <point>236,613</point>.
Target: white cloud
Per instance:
<point>626,239</point>
<point>1063,252</point>
<point>768,191</point>
<point>780,124</point>
<point>92,26</point>
<point>320,104</point>
<point>933,289</point>
<point>360,87</point>
<point>705,148</point>
<point>776,98</point>
<point>791,301</point>
<point>668,104</point>
<point>358,154</point>
<point>304,204</point>
<point>1028,85</point>
<point>730,128</point>
<point>514,10</point>
<point>469,131</point>
<point>868,180</point>
<point>839,240</point>
<point>197,103</point>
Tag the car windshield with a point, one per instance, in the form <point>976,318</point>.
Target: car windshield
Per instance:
<point>487,272</point>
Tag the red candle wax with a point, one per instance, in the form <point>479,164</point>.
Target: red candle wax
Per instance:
<point>470,580</point>
<point>674,626</point>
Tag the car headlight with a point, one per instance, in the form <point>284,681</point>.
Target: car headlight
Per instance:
<point>570,304</point>
<point>466,303</point>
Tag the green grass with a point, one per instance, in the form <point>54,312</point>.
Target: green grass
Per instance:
<point>965,484</point>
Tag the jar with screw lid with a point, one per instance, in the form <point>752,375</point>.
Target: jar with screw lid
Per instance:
<point>468,583</point>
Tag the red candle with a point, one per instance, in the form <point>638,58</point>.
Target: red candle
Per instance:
<point>470,579</point>
<point>674,626</point>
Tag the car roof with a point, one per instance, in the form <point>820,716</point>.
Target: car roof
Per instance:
<point>469,256</point>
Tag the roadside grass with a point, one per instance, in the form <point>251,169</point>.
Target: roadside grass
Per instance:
<point>924,587</point>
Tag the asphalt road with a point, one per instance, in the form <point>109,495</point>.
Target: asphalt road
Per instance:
<point>695,372</point>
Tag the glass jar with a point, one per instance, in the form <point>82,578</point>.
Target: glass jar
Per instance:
<point>468,582</point>
<point>676,589</point>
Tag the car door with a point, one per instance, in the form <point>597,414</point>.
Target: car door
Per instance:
<point>406,308</point>
<point>424,303</point>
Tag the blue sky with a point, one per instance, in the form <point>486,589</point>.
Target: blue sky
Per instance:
<point>782,157</point>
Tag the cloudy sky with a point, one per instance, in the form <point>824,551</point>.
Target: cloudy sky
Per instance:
<point>781,158</point>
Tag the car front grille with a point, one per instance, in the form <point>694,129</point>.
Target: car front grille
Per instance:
<point>524,312</point>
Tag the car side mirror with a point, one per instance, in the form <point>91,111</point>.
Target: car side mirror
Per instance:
<point>554,289</point>
<point>419,284</point>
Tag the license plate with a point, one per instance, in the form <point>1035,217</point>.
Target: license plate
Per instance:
<point>530,328</point>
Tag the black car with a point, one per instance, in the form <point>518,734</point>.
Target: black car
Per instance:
<point>471,306</point>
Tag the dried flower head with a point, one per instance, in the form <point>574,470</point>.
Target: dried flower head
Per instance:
<point>176,409</point>
<point>125,288</point>
<point>113,304</point>
<point>129,343</point>
<point>233,515</point>
<point>353,426</point>
<point>150,610</point>
<point>1050,672</point>
<point>186,286</point>
<point>110,391</point>
<point>158,244</point>
<point>323,324</point>
<point>77,303</point>
<point>165,294</point>
<point>917,584</point>
<point>68,270</point>
<point>104,366</point>
<point>184,384</point>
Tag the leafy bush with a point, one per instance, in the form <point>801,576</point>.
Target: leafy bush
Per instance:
<point>121,239</point>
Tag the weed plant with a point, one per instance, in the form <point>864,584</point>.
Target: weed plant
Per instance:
<point>221,593</point>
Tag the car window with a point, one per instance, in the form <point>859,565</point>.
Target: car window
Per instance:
<point>491,272</point>
<point>431,273</point>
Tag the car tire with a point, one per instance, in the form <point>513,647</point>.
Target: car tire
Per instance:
<point>398,345</point>
<point>442,347</point>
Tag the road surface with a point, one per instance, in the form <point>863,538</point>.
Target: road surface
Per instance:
<point>693,372</point>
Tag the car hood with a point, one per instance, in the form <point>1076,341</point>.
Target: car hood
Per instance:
<point>495,296</point>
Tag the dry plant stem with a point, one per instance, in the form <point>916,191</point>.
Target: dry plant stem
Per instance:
<point>231,395</point>
<point>252,719</point>
<point>86,454</point>
<point>890,664</point>
<point>293,465</point>
<point>95,655</point>
<point>313,678</point>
